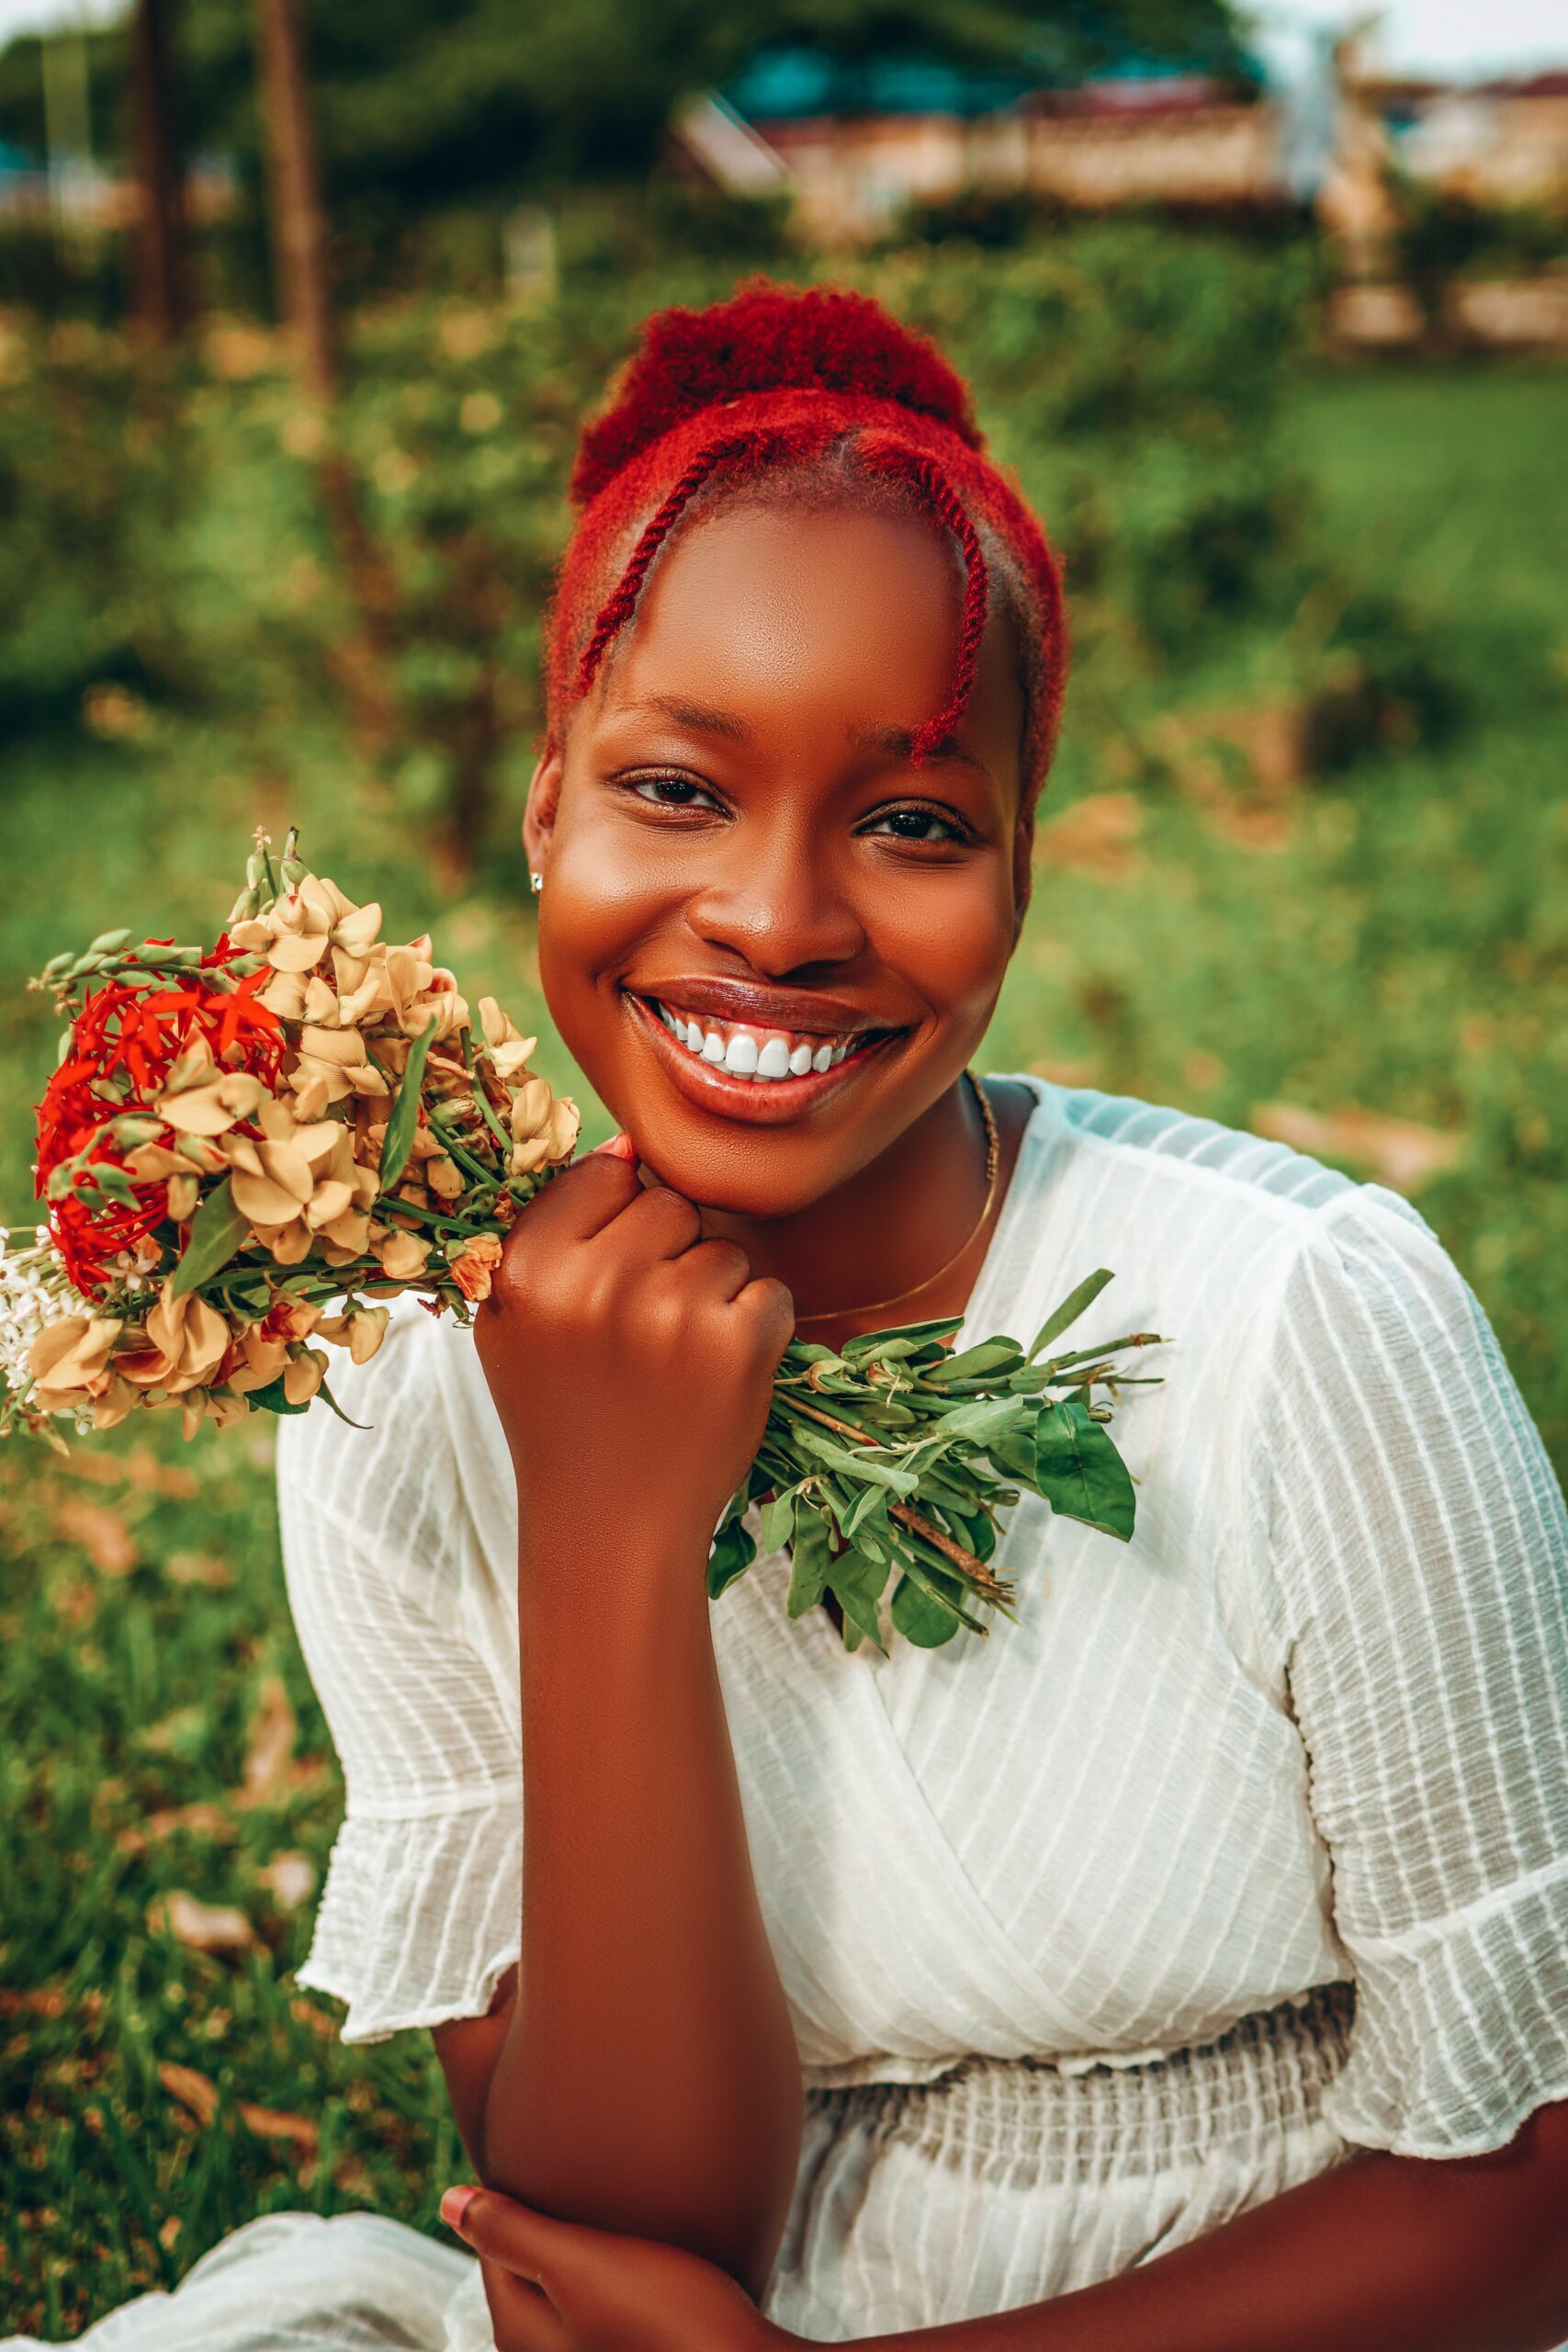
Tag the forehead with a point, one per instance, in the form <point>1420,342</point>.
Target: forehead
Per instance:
<point>801,612</point>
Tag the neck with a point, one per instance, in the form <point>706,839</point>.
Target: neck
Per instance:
<point>895,1220</point>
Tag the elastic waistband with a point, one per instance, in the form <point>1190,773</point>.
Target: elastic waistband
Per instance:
<point>1263,2078</point>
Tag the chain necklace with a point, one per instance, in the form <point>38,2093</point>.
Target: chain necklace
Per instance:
<point>993,1160</point>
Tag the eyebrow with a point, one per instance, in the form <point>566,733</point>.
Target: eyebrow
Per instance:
<point>727,725</point>
<point>699,716</point>
<point>897,742</point>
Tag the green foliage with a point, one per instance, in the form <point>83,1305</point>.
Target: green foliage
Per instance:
<point>420,103</point>
<point>131,1692</point>
<point>1445,234</point>
<point>176,533</point>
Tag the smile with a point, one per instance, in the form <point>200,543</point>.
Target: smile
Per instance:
<point>749,1069</point>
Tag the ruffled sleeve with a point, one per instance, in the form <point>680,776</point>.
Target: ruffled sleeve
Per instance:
<point>1410,1556</point>
<point>420,1909</point>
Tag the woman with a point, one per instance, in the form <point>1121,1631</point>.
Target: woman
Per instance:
<point>1185,1965</point>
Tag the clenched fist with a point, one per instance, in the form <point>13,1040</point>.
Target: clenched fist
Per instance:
<point>630,1360</point>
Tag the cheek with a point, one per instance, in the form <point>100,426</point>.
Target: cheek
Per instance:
<point>950,931</point>
<point>600,902</point>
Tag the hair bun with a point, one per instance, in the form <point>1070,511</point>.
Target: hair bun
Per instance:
<point>767,338</point>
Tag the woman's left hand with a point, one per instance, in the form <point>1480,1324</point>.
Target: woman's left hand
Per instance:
<point>557,2286</point>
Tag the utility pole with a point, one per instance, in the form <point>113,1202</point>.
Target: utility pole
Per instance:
<point>161,290</point>
<point>299,216</point>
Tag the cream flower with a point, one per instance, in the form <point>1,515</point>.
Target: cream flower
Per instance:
<point>182,1344</point>
<point>303,1374</point>
<point>361,1331</point>
<point>551,1138</point>
<point>298,1182</point>
<point>213,1108</point>
<point>402,1254</point>
<point>69,1360</point>
<point>509,1050</point>
<point>298,928</point>
<point>338,1061</point>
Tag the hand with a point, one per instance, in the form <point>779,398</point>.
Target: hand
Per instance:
<point>628,1357</point>
<point>559,2287</point>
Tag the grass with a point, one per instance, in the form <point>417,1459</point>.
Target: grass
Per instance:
<point>1395,940</point>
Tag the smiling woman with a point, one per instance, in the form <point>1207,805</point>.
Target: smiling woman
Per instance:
<point>1118,1982</point>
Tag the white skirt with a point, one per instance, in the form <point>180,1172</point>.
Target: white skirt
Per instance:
<point>999,2185</point>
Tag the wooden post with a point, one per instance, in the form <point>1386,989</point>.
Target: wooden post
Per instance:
<point>162,289</point>
<point>299,216</point>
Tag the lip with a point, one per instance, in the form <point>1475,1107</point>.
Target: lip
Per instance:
<point>801,1010</point>
<point>716,1092</point>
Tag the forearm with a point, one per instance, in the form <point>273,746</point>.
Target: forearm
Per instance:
<point>649,2082</point>
<point>1383,2254</point>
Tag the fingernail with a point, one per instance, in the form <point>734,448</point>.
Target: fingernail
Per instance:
<point>618,1147</point>
<point>455,2203</point>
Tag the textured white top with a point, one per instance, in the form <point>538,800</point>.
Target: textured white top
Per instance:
<point>1308,1726</point>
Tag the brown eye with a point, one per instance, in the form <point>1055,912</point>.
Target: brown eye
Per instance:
<point>921,825</point>
<point>670,791</point>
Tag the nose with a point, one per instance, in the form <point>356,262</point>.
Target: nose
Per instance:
<point>778,899</point>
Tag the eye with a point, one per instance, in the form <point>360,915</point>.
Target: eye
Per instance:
<point>922,825</point>
<point>670,790</point>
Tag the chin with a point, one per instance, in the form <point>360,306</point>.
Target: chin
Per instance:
<point>747,1174</point>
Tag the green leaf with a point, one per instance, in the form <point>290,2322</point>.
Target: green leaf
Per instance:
<point>903,1337</point>
<point>920,1617</point>
<point>1079,1471</point>
<point>217,1231</point>
<point>398,1140</point>
<point>778,1521</point>
<point>985,1418</point>
<point>109,1183</point>
<point>109,943</point>
<point>732,1554</point>
<point>873,1501</point>
<point>1088,1291</point>
<point>1014,1454</point>
<point>991,1355</point>
<point>325,1394</point>
<point>808,1567</point>
<point>854,1570</point>
<point>858,1582</point>
<point>864,1468</point>
<point>272,1399</point>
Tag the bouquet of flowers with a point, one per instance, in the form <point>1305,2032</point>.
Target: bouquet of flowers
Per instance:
<point>247,1149</point>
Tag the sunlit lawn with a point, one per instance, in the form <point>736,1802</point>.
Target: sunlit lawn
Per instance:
<point>1394,942</point>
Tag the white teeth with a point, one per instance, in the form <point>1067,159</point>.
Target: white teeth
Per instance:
<point>740,1054</point>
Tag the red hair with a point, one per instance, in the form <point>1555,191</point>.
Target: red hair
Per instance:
<point>755,394</point>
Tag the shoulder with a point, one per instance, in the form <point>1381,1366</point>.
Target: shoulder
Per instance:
<point>400,1467</point>
<point>1208,1217</point>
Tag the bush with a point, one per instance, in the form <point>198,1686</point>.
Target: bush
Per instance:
<point>181,531</point>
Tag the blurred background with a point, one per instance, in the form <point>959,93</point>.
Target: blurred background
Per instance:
<point>301,303</point>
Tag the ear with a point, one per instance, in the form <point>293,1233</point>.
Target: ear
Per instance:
<point>1022,870</point>
<point>539,809</point>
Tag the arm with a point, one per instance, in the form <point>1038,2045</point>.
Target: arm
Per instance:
<point>1383,2254</point>
<point>645,2077</point>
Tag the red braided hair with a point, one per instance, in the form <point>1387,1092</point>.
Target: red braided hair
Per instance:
<point>822,383</point>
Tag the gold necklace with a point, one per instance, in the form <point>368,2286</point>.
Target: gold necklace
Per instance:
<point>993,1161</point>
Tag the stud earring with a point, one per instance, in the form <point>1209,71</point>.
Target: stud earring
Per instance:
<point>536,882</point>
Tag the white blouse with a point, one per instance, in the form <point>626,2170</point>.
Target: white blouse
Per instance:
<point>1246,1844</point>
